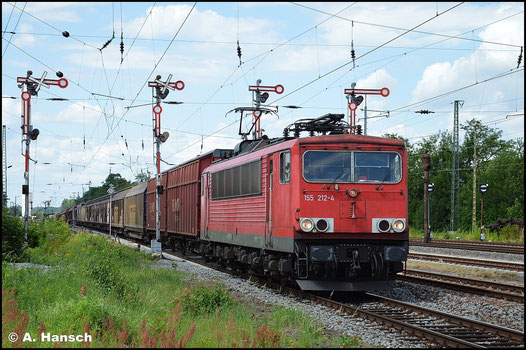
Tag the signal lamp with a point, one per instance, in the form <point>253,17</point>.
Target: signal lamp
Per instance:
<point>263,97</point>
<point>34,134</point>
<point>306,225</point>
<point>164,136</point>
<point>357,99</point>
<point>398,225</point>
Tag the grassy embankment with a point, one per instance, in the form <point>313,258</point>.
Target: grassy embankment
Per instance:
<point>118,296</point>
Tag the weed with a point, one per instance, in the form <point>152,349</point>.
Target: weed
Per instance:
<point>266,337</point>
<point>203,299</point>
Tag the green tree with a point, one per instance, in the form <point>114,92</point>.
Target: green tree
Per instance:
<point>118,182</point>
<point>141,177</point>
<point>67,203</point>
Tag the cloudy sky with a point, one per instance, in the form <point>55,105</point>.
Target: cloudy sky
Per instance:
<point>428,54</point>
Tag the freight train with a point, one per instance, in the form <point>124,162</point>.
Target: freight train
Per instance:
<point>327,212</point>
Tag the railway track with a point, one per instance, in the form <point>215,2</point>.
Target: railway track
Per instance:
<point>496,264</point>
<point>437,328</point>
<point>497,290</point>
<point>497,247</point>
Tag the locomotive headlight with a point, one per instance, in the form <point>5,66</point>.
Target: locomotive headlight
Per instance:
<point>398,225</point>
<point>306,225</point>
<point>322,225</point>
<point>384,226</point>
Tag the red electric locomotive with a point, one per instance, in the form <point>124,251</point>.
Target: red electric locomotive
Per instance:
<point>328,212</point>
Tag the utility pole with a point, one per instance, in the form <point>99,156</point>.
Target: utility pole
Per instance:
<point>30,87</point>
<point>455,178</point>
<point>4,163</point>
<point>354,102</point>
<point>426,162</point>
<point>162,90</point>
<point>483,188</point>
<point>474,217</point>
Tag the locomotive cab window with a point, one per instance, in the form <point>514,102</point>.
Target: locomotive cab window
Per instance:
<point>335,167</point>
<point>327,166</point>
<point>377,167</point>
<point>284,167</point>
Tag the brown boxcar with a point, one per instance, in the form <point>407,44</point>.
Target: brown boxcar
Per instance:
<point>134,210</point>
<point>180,200</point>
<point>117,205</point>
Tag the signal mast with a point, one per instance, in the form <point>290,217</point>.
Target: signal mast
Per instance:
<point>354,102</point>
<point>260,95</point>
<point>30,87</point>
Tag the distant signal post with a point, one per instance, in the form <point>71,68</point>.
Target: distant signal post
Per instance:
<point>30,87</point>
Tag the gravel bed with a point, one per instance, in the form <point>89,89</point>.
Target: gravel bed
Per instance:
<point>481,308</point>
<point>371,334</point>
<point>464,253</point>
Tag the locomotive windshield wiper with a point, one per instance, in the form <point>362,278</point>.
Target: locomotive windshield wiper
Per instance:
<point>340,174</point>
<point>385,178</point>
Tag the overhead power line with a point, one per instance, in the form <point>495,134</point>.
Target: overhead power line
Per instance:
<point>368,52</point>
<point>421,32</point>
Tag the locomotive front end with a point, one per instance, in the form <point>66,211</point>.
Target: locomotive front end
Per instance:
<point>351,226</point>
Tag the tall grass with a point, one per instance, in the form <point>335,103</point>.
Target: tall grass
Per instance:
<point>123,299</point>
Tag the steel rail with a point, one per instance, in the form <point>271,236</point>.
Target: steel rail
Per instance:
<point>504,265</point>
<point>501,247</point>
<point>498,290</point>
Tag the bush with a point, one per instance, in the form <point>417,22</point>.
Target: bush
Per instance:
<point>13,246</point>
<point>204,299</point>
<point>511,233</point>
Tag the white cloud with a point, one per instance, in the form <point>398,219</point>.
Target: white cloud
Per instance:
<point>56,11</point>
<point>24,40</point>
<point>79,113</point>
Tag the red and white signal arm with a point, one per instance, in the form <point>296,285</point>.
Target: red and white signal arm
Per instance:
<point>62,83</point>
<point>278,89</point>
<point>383,91</point>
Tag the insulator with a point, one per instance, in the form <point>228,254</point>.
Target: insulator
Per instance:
<point>238,50</point>
<point>286,133</point>
<point>311,133</point>
<point>353,54</point>
<point>359,129</point>
<point>296,133</point>
<point>142,145</point>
